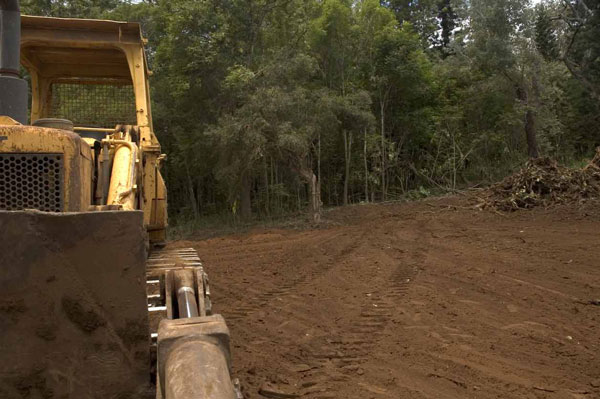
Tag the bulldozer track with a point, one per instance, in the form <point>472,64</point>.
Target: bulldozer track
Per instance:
<point>283,308</point>
<point>340,359</point>
<point>265,308</point>
<point>158,263</point>
<point>260,298</point>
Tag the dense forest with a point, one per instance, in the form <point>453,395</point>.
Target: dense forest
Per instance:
<point>269,107</point>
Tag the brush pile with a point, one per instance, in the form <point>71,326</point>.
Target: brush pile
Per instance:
<point>542,182</point>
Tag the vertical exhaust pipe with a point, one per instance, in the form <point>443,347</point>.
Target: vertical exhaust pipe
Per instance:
<point>13,89</point>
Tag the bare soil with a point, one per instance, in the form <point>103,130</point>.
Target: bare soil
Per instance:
<point>423,300</point>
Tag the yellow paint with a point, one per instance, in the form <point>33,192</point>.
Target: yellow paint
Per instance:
<point>7,120</point>
<point>122,182</point>
<point>62,50</point>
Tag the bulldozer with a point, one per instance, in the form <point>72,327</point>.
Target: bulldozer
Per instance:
<point>92,304</point>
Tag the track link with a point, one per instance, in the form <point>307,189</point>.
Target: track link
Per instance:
<point>160,263</point>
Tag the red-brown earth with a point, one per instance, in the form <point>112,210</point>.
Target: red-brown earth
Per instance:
<point>431,299</point>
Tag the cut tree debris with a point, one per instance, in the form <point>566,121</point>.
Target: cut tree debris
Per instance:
<point>542,182</point>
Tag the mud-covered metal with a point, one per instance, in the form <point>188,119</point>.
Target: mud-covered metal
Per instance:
<point>194,359</point>
<point>73,305</point>
<point>192,345</point>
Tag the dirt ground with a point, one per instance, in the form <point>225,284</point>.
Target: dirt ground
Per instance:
<point>422,300</point>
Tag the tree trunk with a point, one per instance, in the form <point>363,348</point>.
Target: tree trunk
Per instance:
<point>530,120</point>
<point>192,196</point>
<point>347,153</point>
<point>314,186</point>
<point>318,202</point>
<point>453,162</point>
<point>199,196</point>
<point>530,131</point>
<point>266,182</point>
<point>245,198</point>
<point>277,196</point>
<point>382,120</point>
<point>366,167</point>
<point>315,196</point>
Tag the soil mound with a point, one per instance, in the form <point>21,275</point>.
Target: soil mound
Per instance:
<point>542,182</point>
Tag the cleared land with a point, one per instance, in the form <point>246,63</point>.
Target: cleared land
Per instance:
<point>421,300</point>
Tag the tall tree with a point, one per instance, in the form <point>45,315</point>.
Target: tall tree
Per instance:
<point>501,48</point>
<point>332,42</point>
<point>422,14</point>
<point>448,22</point>
<point>581,50</point>
<point>545,33</point>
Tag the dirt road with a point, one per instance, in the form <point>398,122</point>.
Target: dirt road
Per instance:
<point>421,300</point>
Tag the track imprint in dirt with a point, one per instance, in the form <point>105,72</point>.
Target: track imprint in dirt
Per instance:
<point>422,300</point>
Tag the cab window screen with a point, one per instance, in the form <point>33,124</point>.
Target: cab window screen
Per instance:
<point>93,105</point>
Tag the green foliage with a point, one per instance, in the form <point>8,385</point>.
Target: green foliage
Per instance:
<point>581,49</point>
<point>546,39</point>
<point>448,22</point>
<point>263,104</point>
<point>70,8</point>
<point>422,14</point>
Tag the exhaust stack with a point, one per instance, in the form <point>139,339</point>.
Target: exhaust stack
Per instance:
<point>13,89</point>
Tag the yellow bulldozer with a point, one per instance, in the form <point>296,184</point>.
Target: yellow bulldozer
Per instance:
<point>91,304</point>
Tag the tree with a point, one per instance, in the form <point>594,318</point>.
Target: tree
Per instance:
<point>448,22</point>
<point>545,34</point>
<point>581,49</point>
<point>353,117</point>
<point>404,88</point>
<point>422,15</point>
<point>501,48</point>
<point>373,21</point>
<point>332,41</point>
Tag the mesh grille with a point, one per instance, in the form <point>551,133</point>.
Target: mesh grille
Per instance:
<point>93,105</point>
<point>31,181</point>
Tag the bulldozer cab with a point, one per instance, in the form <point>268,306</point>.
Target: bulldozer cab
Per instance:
<point>91,72</point>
